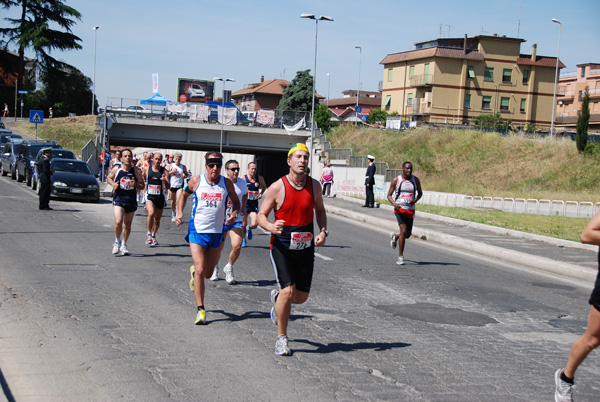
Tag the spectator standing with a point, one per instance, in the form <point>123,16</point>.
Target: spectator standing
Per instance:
<point>45,185</point>
<point>5,112</point>
<point>327,179</point>
<point>370,182</point>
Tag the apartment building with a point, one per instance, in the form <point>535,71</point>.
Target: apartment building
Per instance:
<point>571,89</point>
<point>261,95</point>
<point>453,80</point>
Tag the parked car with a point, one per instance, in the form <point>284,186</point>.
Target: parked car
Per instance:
<point>56,153</point>
<point>28,150</point>
<point>8,160</point>
<point>2,124</point>
<point>6,135</point>
<point>72,178</point>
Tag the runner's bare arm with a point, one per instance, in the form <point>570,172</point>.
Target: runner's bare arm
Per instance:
<point>110,179</point>
<point>390,193</point>
<point>320,214</point>
<point>191,187</point>
<point>268,204</point>
<point>263,186</point>
<point>141,184</point>
<point>419,191</point>
<point>591,233</point>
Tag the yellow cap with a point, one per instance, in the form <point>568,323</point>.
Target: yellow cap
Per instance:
<point>297,147</point>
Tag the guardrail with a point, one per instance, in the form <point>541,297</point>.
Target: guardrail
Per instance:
<point>571,209</point>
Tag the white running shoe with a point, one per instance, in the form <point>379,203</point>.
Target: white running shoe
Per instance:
<point>228,273</point>
<point>400,260</point>
<point>115,249</point>
<point>394,241</point>
<point>124,250</point>
<point>173,216</point>
<point>564,390</point>
<point>215,275</point>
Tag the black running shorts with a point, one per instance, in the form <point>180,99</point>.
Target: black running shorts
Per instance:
<point>294,267</point>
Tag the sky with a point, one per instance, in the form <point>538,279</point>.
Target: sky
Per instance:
<point>245,40</point>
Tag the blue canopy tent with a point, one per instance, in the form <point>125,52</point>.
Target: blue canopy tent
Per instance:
<point>156,99</point>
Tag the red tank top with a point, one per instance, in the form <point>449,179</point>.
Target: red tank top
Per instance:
<point>297,211</point>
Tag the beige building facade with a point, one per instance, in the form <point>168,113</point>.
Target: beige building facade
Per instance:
<point>571,89</point>
<point>453,80</point>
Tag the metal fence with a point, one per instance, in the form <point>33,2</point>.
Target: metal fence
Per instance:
<point>571,209</point>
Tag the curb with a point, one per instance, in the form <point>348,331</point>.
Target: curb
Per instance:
<point>510,256</point>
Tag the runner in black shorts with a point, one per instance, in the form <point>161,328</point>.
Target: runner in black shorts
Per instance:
<point>296,198</point>
<point>256,188</point>
<point>590,340</point>
<point>156,182</point>
<point>125,181</point>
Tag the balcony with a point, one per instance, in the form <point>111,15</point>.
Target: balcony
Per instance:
<point>565,94</point>
<point>595,71</point>
<point>422,80</point>
<point>420,108</point>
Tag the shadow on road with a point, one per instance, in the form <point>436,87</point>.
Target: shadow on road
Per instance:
<point>348,347</point>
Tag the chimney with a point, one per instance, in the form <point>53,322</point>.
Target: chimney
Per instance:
<point>465,45</point>
<point>533,52</point>
<point>262,78</point>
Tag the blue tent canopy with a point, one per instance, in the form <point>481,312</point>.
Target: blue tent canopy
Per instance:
<point>157,99</point>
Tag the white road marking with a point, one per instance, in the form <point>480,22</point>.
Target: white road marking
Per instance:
<point>323,257</point>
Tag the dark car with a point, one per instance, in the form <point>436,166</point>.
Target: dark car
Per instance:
<point>2,124</point>
<point>56,153</point>
<point>28,150</point>
<point>72,178</point>
<point>7,135</point>
<point>8,159</point>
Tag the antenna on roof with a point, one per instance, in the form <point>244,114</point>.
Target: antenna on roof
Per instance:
<point>448,28</point>
<point>519,24</point>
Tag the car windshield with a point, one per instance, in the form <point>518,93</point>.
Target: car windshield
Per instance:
<point>71,166</point>
<point>63,153</point>
<point>33,150</point>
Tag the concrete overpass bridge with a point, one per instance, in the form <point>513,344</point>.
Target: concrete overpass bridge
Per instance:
<point>270,145</point>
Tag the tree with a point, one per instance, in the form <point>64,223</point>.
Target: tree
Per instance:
<point>491,122</point>
<point>323,118</point>
<point>66,91</point>
<point>32,31</point>
<point>298,95</point>
<point>377,116</point>
<point>583,122</point>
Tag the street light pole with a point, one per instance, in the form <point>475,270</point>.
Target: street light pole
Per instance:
<point>328,86</point>
<point>358,86</point>
<point>94,82</point>
<point>555,78</point>
<point>224,80</point>
<point>312,125</point>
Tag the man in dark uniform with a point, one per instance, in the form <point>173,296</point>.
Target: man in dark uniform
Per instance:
<point>370,182</point>
<point>44,180</point>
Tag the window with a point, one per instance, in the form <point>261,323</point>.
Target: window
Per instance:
<point>410,100</point>
<point>522,104</point>
<point>486,103</point>
<point>411,73</point>
<point>507,76</point>
<point>583,72</point>
<point>525,77</point>
<point>471,72</point>
<point>467,101</point>
<point>580,95</point>
<point>388,102</point>
<point>504,102</point>
<point>426,78</point>
<point>390,74</point>
<point>488,75</point>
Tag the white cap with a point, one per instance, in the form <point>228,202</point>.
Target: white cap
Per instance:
<point>370,157</point>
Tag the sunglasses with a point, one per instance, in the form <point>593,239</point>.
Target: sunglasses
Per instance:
<point>212,165</point>
<point>235,169</point>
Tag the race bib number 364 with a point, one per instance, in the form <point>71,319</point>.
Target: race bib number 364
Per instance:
<point>300,240</point>
<point>211,200</point>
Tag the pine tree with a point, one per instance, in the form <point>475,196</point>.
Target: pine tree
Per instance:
<point>583,122</point>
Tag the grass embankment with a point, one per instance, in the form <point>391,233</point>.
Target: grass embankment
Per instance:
<point>487,164</point>
<point>71,132</point>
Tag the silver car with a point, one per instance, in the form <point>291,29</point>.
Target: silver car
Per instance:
<point>8,159</point>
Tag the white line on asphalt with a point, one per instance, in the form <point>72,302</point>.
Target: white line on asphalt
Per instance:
<point>323,257</point>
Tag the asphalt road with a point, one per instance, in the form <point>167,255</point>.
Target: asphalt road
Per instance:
<point>77,323</point>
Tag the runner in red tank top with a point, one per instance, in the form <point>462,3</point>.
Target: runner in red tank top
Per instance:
<point>293,198</point>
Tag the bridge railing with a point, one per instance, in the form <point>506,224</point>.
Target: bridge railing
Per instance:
<point>180,111</point>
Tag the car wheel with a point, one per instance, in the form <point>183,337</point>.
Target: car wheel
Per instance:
<point>34,184</point>
<point>28,179</point>
<point>20,178</point>
<point>4,172</point>
<point>13,174</point>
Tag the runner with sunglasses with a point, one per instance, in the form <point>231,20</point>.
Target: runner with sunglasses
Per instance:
<point>205,230</point>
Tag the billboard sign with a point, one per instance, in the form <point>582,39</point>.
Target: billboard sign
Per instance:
<point>193,90</point>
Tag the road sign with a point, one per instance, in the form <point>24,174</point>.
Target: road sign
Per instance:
<point>36,116</point>
<point>105,120</point>
<point>363,117</point>
<point>359,109</point>
<point>23,92</point>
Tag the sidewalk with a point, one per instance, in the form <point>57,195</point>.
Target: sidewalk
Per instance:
<point>561,257</point>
